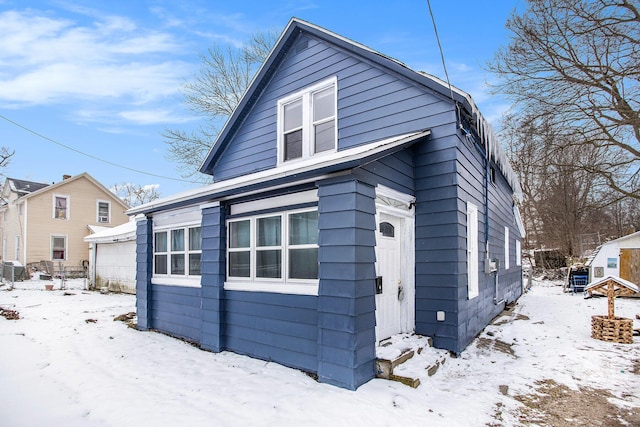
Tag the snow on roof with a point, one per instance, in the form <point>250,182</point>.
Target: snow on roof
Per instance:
<point>286,170</point>
<point>126,231</point>
<point>622,282</point>
<point>22,186</point>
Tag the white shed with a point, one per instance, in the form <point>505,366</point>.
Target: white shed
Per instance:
<point>113,258</point>
<point>618,258</point>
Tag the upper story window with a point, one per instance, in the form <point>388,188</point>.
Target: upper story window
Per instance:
<point>104,210</point>
<point>60,207</point>
<point>177,251</point>
<point>20,208</point>
<point>307,122</point>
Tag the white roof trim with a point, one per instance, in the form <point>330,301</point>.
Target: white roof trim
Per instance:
<point>123,232</point>
<point>285,170</point>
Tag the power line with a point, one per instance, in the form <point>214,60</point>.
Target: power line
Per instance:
<point>435,30</point>
<point>90,155</point>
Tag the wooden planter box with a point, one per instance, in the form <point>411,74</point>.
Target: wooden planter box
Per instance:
<point>617,329</point>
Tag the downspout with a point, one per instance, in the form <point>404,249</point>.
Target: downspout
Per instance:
<point>489,266</point>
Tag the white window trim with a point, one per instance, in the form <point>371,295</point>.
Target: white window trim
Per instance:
<point>66,247</point>
<point>518,253</point>
<point>282,285</point>
<point>506,248</point>
<point>307,120</point>
<point>186,280</point>
<point>68,214</point>
<point>98,211</point>
<point>472,251</point>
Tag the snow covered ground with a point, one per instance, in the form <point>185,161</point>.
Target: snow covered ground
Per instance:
<point>66,362</point>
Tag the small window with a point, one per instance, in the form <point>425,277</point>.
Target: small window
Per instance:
<point>492,175</point>
<point>387,229</point>
<point>177,252</point>
<point>20,209</point>
<point>307,122</point>
<point>60,208</point>
<point>58,248</point>
<point>103,212</point>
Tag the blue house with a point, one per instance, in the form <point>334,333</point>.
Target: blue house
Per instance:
<point>352,199</point>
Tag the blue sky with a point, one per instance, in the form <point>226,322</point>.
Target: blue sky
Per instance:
<point>104,78</point>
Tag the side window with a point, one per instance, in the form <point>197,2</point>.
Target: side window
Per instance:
<point>61,207</point>
<point>307,122</point>
<point>472,250</point>
<point>177,252</point>
<point>506,248</point>
<point>104,211</point>
<point>58,248</point>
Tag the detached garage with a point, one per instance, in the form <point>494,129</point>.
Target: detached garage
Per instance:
<point>113,258</point>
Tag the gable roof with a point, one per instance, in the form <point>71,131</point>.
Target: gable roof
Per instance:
<point>23,187</point>
<point>296,26</point>
<point>75,178</point>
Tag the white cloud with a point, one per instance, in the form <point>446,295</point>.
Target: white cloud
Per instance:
<point>45,60</point>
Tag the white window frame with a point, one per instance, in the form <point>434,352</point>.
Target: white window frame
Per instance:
<point>67,208</point>
<point>506,248</point>
<point>66,247</point>
<point>186,279</point>
<point>472,251</point>
<point>518,253</point>
<point>307,120</point>
<point>20,208</point>
<point>284,284</point>
<point>98,216</point>
<point>17,241</point>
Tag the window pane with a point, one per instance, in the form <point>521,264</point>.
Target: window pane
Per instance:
<point>161,242</point>
<point>160,264</point>
<point>194,264</point>
<point>324,136</point>
<point>239,264</point>
<point>269,231</point>
<point>177,240</point>
<point>177,264</point>
<point>103,209</point>
<point>303,263</point>
<point>293,145</point>
<point>293,115</point>
<point>195,239</point>
<point>303,228</point>
<point>269,264</point>
<point>240,234</point>
<point>61,208</point>
<point>58,243</point>
<point>323,104</point>
<point>387,229</point>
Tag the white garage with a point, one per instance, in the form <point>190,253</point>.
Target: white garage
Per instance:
<point>113,258</point>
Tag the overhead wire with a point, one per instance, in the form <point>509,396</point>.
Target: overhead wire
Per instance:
<point>444,65</point>
<point>92,156</point>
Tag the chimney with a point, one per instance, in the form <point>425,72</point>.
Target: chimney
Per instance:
<point>65,177</point>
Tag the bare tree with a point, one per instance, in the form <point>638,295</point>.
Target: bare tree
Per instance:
<point>575,64</point>
<point>135,195</point>
<point>5,156</point>
<point>224,75</point>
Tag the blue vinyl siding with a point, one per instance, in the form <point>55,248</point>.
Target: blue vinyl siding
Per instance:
<point>272,326</point>
<point>366,96</point>
<point>176,311</point>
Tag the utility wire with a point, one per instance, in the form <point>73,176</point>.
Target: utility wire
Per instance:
<point>435,30</point>
<point>92,156</point>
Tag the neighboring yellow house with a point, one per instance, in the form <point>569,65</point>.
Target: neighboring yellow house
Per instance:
<point>49,222</point>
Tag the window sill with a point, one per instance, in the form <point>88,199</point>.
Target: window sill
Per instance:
<point>188,282</point>
<point>278,288</point>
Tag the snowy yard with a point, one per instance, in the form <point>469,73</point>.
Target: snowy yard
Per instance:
<point>66,362</point>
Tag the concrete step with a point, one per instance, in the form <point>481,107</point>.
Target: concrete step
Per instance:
<point>405,357</point>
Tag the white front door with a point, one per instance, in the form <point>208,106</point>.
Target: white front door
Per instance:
<point>390,267</point>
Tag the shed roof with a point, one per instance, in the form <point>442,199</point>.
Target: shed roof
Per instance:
<point>123,232</point>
